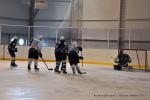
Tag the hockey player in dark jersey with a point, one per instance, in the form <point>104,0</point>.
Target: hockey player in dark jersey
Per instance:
<point>61,50</point>
<point>12,49</point>
<point>122,61</point>
<point>74,58</point>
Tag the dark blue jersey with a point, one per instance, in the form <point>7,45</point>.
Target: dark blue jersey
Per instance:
<point>61,47</point>
<point>73,57</point>
<point>61,51</point>
<point>12,45</point>
<point>123,59</point>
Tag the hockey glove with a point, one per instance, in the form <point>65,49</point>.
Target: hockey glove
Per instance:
<point>80,48</point>
<point>80,57</point>
<point>15,50</point>
<point>40,54</point>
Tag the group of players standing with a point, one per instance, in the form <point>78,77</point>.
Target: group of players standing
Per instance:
<point>62,52</point>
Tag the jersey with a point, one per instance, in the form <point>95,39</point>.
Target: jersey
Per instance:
<point>73,57</point>
<point>12,46</point>
<point>61,51</point>
<point>61,47</point>
<point>37,44</point>
<point>123,59</point>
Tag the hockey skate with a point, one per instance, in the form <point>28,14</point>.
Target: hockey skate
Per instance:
<point>29,68</point>
<point>79,72</point>
<point>13,65</point>
<point>36,69</point>
<point>57,71</point>
<point>64,71</point>
<point>73,70</point>
<point>130,68</point>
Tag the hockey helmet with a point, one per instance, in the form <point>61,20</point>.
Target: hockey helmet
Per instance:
<point>74,46</point>
<point>15,38</point>
<point>39,37</point>
<point>62,38</point>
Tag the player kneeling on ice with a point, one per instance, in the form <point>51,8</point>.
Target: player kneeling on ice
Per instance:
<point>122,61</point>
<point>12,49</point>
<point>74,58</point>
<point>35,52</point>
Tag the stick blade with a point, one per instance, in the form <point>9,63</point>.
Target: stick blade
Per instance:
<point>50,69</point>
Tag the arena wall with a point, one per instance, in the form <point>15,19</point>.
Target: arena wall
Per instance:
<point>103,57</point>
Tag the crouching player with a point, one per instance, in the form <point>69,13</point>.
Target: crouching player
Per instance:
<point>122,61</point>
<point>35,52</point>
<point>74,58</point>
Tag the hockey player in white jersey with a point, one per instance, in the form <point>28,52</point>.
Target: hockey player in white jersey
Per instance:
<point>35,52</point>
<point>74,57</point>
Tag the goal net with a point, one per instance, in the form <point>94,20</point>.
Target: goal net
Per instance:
<point>139,58</point>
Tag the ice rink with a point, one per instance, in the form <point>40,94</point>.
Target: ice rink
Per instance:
<point>100,83</point>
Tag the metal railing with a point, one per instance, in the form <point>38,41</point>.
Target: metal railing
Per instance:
<point>96,38</point>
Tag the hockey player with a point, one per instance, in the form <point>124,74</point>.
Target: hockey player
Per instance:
<point>12,49</point>
<point>74,58</point>
<point>61,50</point>
<point>35,52</point>
<point>122,61</point>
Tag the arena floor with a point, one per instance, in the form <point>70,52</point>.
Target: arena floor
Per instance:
<point>100,83</point>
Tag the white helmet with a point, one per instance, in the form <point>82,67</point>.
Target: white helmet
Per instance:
<point>62,38</point>
<point>39,37</point>
<point>74,45</point>
<point>14,38</point>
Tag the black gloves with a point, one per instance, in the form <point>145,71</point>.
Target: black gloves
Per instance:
<point>80,57</point>
<point>80,48</point>
<point>15,49</point>
<point>40,54</point>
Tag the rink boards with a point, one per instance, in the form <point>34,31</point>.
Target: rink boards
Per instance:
<point>92,56</point>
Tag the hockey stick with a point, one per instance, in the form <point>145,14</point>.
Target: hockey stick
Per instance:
<point>46,64</point>
<point>82,59</point>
